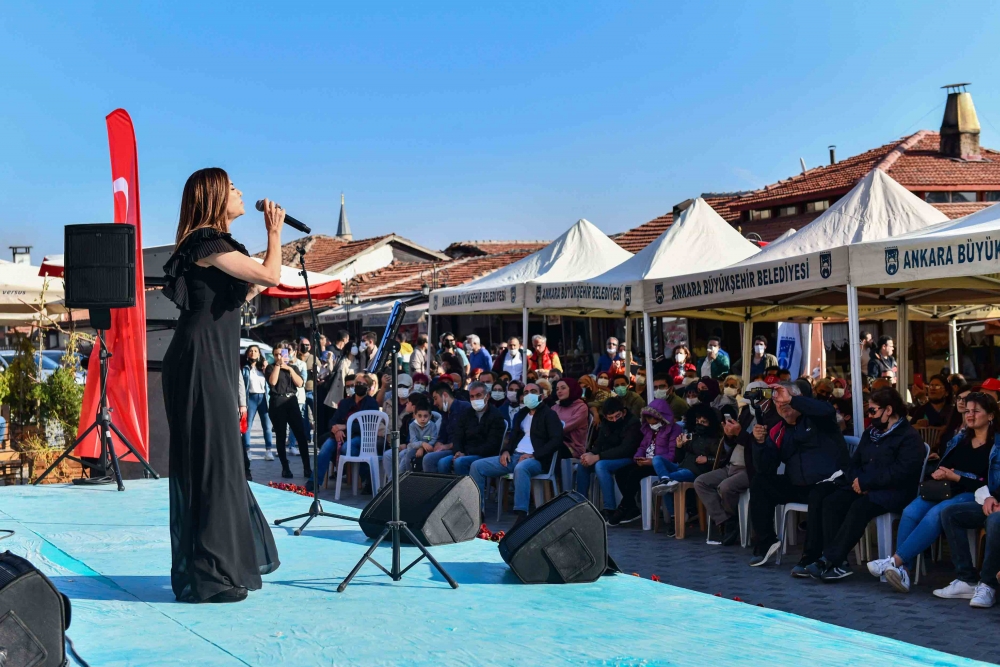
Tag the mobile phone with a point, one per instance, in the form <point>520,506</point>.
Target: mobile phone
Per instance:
<point>284,354</point>
<point>729,418</point>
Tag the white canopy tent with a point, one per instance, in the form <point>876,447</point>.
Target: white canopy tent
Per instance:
<point>583,251</point>
<point>805,275</point>
<point>25,296</point>
<point>698,239</point>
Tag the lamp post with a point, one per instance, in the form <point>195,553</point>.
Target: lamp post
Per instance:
<point>348,299</point>
<point>432,279</point>
<point>248,317</point>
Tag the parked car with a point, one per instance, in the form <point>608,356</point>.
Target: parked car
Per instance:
<point>45,361</point>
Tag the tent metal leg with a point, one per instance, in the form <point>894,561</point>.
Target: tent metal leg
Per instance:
<point>747,347</point>
<point>854,342</point>
<point>647,341</point>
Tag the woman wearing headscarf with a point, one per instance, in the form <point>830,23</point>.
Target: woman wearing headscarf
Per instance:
<point>574,414</point>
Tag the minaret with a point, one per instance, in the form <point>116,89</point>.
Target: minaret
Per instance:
<point>344,227</point>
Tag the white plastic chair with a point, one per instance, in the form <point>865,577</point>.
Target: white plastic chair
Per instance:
<point>781,513</point>
<point>538,482</point>
<point>744,518</point>
<point>648,506</point>
<point>369,421</point>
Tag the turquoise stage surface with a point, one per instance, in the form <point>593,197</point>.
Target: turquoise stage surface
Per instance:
<point>110,553</point>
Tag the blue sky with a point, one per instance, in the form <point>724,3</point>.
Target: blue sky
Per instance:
<point>455,121</point>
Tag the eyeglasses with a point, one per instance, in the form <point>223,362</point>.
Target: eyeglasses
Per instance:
<point>872,411</point>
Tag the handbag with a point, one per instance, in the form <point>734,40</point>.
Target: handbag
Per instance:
<point>936,490</point>
<point>244,426</point>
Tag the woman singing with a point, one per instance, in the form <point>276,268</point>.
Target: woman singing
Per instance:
<point>220,542</point>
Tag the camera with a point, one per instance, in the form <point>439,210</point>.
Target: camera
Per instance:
<point>758,395</point>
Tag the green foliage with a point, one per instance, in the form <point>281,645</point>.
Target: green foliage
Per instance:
<point>61,397</point>
<point>24,387</point>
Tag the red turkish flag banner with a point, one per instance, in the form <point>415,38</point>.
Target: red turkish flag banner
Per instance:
<point>126,384</point>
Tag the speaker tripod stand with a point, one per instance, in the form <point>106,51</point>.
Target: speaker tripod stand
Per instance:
<point>105,426</point>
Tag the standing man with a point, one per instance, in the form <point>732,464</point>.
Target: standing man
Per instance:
<point>324,344</point>
<point>604,363</point>
<point>761,360</point>
<point>368,349</point>
<point>418,360</point>
<point>477,355</point>
<point>542,357</point>
<point>534,439</point>
<point>882,364</point>
<point>448,346</point>
<point>716,362</point>
<point>513,359</point>
<point>309,359</point>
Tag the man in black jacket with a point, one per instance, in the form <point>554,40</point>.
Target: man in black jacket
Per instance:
<point>809,442</point>
<point>534,439</point>
<point>478,432</point>
<point>618,439</point>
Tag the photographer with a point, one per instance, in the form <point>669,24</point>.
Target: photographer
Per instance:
<point>720,489</point>
<point>284,379</point>
<point>809,442</point>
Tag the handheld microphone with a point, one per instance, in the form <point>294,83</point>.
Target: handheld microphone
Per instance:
<point>289,220</point>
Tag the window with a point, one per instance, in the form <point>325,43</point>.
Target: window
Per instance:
<point>787,210</point>
<point>937,197</point>
<point>816,206</point>
<point>961,197</point>
<point>991,195</point>
<point>954,197</point>
<point>762,214</point>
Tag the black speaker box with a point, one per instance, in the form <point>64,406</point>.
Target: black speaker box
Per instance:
<point>564,542</point>
<point>34,616</point>
<point>439,509</point>
<point>100,266</point>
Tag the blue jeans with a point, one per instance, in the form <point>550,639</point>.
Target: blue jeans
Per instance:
<point>463,464</point>
<point>256,405</point>
<point>667,469</point>
<point>326,453</point>
<point>605,476</point>
<point>523,471</point>
<point>438,461</point>
<point>920,525</point>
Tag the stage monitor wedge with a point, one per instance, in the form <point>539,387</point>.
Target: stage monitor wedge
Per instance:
<point>439,509</point>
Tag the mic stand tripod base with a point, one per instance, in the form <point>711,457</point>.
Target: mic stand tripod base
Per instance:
<point>315,510</point>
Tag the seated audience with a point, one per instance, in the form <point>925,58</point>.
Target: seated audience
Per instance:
<point>882,477</point>
<point>663,390</point>
<point>498,398</point>
<point>617,441</point>
<point>957,419</point>
<point>451,409</point>
<point>964,467</point>
<point>938,408</point>
<point>535,438</point>
<point>634,403</point>
<point>422,431</point>
<point>358,389</point>
<point>732,390</point>
<point>991,387</point>
<point>823,389</point>
<point>575,417</point>
<point>683,363</point>
<point>809,442</point>
<point>478,433</point>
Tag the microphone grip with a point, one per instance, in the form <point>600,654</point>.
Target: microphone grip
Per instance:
<point>289,220</point>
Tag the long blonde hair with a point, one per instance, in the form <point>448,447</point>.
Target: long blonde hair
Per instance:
<point>204,202</point>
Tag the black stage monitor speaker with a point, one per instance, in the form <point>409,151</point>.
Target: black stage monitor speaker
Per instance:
<point>100,266</point>
<point>34,616</point>
<point>439,509</point>
<point>564,542</point>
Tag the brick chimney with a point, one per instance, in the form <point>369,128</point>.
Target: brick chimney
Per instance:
<point>960,125</point>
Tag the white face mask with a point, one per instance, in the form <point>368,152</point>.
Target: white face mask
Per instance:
<point>712,349</point>
<point>511,396</point>
<point>444,405</point>
<point>759,349</point>
<point>419,388</point>
<point>660,393</point>
<point>612,351</point>
<point>404,392</point>
<point>686,381</point>
<point>730,391</point>
<point>602,382</point>
<point>691,401</point>
<point>349,391</point>
<point>640,379</point>
<point>498,395</point>
<point>354,350</point>
<point>656,426</point>
<point>679,357</point>
<point>478,404</point>
<point>838,392</point>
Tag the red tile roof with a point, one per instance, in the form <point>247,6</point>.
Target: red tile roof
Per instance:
<point>958,210</point>
<point>323,251</point>
<point>408,277</point>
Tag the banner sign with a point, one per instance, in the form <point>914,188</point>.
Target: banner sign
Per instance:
<point>926,259</point>
<point>466,301</point>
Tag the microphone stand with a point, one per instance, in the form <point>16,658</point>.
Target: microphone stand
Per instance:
<point>316,507</point>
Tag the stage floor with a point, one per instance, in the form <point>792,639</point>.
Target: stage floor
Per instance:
<point>110,553</point>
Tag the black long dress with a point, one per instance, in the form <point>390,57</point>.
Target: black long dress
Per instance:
<point>219,538</point>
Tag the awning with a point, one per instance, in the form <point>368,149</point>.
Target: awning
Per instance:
<point>292,286</point>
<point>52,265</point>
<point>414,314</point>
<point>372,313</point>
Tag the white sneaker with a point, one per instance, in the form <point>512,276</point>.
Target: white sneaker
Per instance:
<point>293,451</point>
<point>984,598</point>
<point>671,485</point>
<point>878,567</point>
<point>898,578</point>
<point>957,590</point>
<point>268,456</point>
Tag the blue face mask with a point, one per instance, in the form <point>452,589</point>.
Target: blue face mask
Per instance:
<point>531,401</point>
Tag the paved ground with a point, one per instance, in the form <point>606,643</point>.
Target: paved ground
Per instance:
<point>859,602</point>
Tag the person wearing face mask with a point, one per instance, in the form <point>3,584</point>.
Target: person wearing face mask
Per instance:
<point>655,453</point>
<point>345,363</point>
<point>421,425</point>
<point>810,444</point>
<point>450,347</point>
<point>605,360</point>
<point>840,388</point>
<point>284,379</point>
<point>498,397</point>
<point>513,359</point>
<point>704,393</point>
<point>823,390</point>
<point>420,383</point>
<point>514,389</point>
<point>663,390</point>
<point>939,408</point>
<point>683,364</point>
<point>882,477</point>
<point>477,434</point>
<point>368,348</point>
<point>771,375</point>
<point>965,466</point>
<point>358,398</point>
<point>451,409</point>
<point>761,360</point>
<point>634,403</point>
<point>418,360</point>
<point>845,414</point>
<point>617,441</point>
<point>534,439</point>
<point>405,383</point>
<point>732,393</point>
<point>574,414</point>
<point>603,392</point>
<point>716,361</point>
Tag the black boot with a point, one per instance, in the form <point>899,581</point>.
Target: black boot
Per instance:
<point>731,532</point>
<point>235,594</point>
<point>286,472</point>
